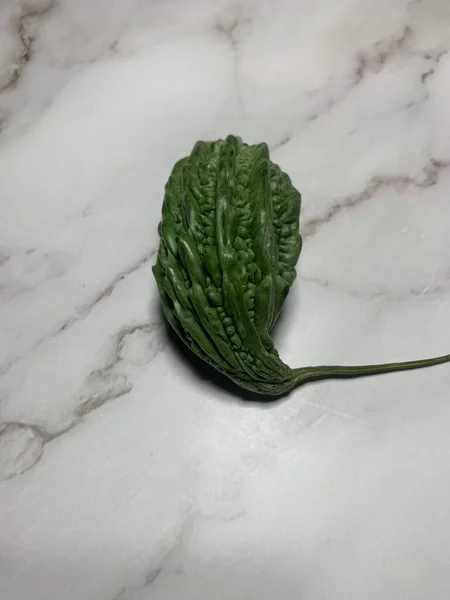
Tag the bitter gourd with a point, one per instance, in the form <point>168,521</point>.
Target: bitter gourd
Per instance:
<point>229,244</point>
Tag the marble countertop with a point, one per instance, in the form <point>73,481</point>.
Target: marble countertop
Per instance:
<point>126,473</point>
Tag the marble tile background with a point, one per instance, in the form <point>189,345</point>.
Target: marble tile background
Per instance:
<point>126,474</point>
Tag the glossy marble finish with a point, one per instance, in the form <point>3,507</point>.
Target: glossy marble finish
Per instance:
<point>126,473</point>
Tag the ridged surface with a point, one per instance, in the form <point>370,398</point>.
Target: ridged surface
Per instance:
<point>229,245</point>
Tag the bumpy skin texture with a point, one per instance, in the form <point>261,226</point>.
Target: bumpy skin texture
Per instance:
<point>229,245</point>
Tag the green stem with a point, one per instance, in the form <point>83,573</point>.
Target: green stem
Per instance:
<point>305,374</point>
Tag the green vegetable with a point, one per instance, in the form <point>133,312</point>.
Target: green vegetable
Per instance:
<point>229,245</point>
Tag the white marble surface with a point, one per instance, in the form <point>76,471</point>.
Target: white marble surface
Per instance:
<point>124,474</point>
